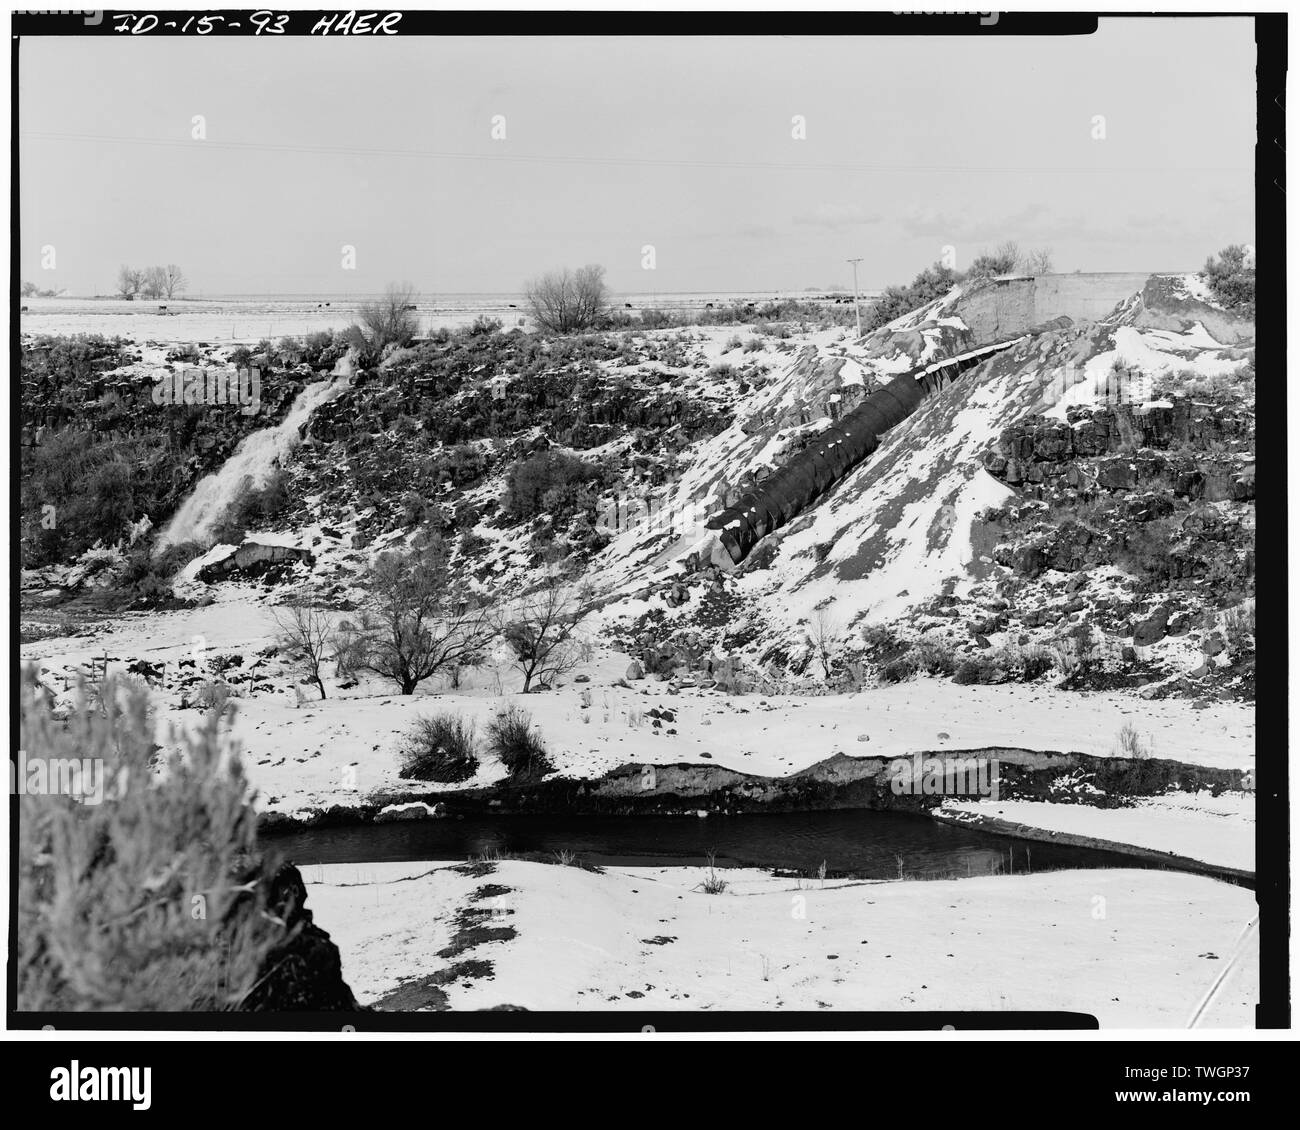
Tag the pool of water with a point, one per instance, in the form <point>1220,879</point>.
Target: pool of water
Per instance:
<point>864,843</point>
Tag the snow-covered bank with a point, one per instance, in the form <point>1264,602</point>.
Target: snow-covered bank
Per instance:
<point>339,750</point>
<point>765,736</point>
<point>1133,948</point>
<point>1217,830</point>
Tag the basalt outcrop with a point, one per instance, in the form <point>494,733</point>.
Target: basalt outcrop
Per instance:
<point>305,972</point>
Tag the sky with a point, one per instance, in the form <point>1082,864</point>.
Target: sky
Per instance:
<point>612,145</point>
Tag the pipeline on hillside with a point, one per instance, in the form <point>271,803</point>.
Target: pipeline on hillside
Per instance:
<point>841,447</point>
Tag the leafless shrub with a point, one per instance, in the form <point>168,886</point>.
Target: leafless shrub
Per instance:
<point>715,884</point>
<point>1130,744</point>
<point>1037,261</point>
<point>439,748</point>
<point>419,620</point>
<point>822,635</point>
<point>568,301</point>
<point>307,634</point>
<point>517,745</point>
<point>1239,626</point>
<point>541,630</point>
<point>390,319</point>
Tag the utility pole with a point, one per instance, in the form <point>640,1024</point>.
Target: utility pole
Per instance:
<point>856,312</point>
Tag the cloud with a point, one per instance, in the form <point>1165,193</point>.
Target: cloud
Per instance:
<point>1030,222</point>
<point>755,231</point>
<point>1036,224</point>
<point>836,216</point>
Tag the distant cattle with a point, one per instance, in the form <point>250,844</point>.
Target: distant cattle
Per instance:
<point>512,306</point>
<point>627,306</point>
<point>24,309</point>
<point>708,306</point>
<point>408,307</point>
<point>162,308</point>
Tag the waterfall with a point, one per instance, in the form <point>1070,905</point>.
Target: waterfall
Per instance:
<point>253,460</point>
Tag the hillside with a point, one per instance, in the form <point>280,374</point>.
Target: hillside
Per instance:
<point>1080,504</point>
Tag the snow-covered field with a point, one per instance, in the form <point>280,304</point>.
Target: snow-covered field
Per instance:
<point>185,320</point>
<point>1132,948</point>
<point>1218,830</point>
<point>249,320</point>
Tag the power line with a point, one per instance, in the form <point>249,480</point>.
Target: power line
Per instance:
<point>632,162</point>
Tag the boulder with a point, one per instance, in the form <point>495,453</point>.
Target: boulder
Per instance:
<point>634,670</point>
<point>1117,474</point>
<point>251,558</point>
<point>1151,630</point>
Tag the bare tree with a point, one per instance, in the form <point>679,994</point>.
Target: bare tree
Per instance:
<point>391,318</point>
<point>1009,252</point>
<point>173,280</point>
<point>153,281</point>
<point>541,630</point>
<point>128,281</point>
<point>821,635</point>
<point>308,634</point>
<point>567,301</point>
<point>419,620</point>
<point>1037,262</point>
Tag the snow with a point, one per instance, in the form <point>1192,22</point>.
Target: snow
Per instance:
<point>408,811</point>
<point>1132,948</point>
<point>782,737</point>
<point>1218,830</point>
<point>295,540</point>
<point>218,552</point>
<point>1195,287</point>
<point>1151,351</point>
<point>185,320</point>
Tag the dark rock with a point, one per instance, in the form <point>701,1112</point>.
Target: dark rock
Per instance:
<point>1117,474</point>
<point>305,973</point>
<point>1152,630</point>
